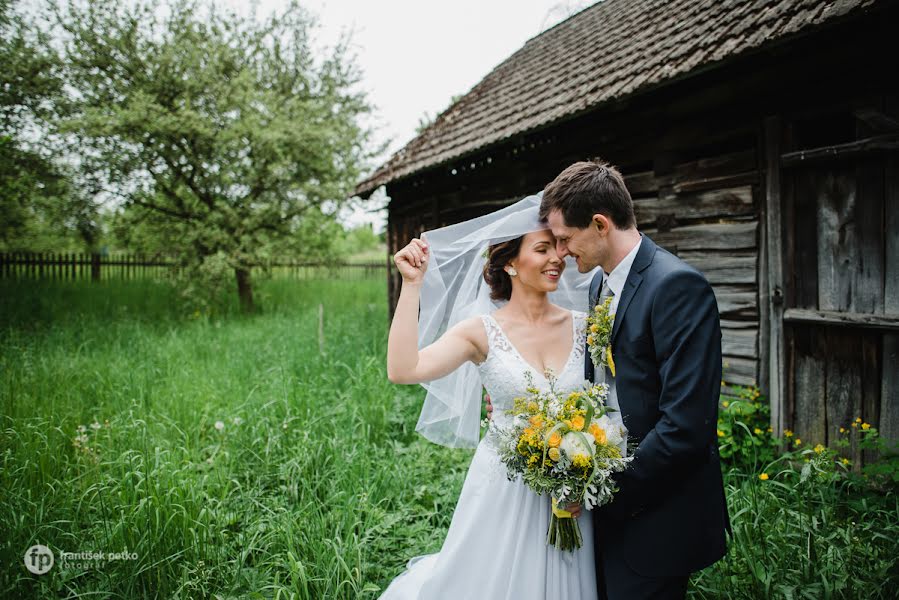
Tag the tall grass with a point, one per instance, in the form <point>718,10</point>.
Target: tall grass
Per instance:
<point>237,460</point>
<point>313,486</point>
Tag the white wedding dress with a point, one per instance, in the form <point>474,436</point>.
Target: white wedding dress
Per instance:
<point>496,547</point>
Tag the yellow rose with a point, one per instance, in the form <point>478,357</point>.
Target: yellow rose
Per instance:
<point>577,423</point>
<point>555,454</point>
<point>555,439</point>
<point>537,420</point>
<point>599,434</point>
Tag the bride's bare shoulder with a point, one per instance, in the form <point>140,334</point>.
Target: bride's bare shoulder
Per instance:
<point>472,330</point>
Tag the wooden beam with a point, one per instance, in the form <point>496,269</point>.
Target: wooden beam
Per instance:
<point>848,319</point>
<point>774,268</point>
<point>762,288</point>
<point>889,391</point>
<point>871,145</point>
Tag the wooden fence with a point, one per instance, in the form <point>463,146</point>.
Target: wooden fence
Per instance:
<point>104,267</point>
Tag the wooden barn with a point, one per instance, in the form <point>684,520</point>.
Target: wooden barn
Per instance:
<point>759,140</point>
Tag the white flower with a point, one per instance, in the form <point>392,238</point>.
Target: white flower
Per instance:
<point>553,408</point>
<point>237,420</point>
<point>573,443</point>
<point>614,431</point>
<point>95,426</point>
<point>219,425</point>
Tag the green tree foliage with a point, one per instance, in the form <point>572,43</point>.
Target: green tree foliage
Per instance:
<point>222,134</point>
<point>40,201</point>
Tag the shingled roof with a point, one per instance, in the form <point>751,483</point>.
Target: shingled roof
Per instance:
<point>605,52</point>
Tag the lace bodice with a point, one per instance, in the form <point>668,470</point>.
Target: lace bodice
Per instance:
<point>503,371</point>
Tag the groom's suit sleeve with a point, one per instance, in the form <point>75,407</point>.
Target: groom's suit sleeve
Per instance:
<point>686,333</point>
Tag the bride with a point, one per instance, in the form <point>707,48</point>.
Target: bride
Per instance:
<point>453,281</point>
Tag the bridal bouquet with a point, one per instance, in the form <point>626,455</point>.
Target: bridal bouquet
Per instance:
<point>565,445</point>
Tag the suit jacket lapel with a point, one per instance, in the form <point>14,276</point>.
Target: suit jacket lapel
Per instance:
<point>643,259</point>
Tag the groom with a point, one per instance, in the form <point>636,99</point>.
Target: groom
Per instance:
<point>668,518</point>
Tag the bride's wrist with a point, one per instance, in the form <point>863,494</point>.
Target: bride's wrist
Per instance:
<point>411,284</point>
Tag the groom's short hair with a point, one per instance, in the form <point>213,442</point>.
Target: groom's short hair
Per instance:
<point>585,189</point>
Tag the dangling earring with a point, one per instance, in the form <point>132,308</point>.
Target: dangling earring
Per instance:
<point>512,271</point>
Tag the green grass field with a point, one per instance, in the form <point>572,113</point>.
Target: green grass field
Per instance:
<point>314,487</point>
<point>236,460</point>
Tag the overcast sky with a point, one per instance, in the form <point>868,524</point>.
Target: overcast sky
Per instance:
<point>416,55</point>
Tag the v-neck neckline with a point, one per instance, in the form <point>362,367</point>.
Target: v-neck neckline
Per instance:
<point>574,345</point>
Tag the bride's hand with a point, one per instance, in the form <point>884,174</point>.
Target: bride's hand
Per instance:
<point>412,261</point>
<point>575,509</point>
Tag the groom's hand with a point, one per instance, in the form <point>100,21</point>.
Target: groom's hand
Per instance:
<point>489,407</point>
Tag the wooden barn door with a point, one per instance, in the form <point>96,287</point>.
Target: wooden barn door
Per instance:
<point>833,195</point>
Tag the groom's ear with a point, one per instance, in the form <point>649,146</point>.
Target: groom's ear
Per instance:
<point>602,223</point>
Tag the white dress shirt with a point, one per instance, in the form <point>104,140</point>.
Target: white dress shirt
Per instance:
<point>618,277</point>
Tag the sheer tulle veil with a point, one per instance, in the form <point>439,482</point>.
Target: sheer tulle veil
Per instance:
<point>453,290</point>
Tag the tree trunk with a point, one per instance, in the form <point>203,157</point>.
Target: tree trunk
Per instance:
<point>244,290</point>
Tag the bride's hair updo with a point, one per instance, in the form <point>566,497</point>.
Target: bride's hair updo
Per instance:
<point>495,275</point>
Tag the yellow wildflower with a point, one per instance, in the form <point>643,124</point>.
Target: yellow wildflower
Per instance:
<point>845,461</point>
<point>554,454</point>
<point>858,419</point>
<point>798,442</point>
<point>589,340</point>
<point>866,426</point>
<point>763,477</point>
<point>842,430</point>
<point>757,431</point>
<point>594,329</point>
<point>788,433</point>
<point>581,460</point>
<point>819,449</point>
<point>725,404</point>
<point>770,429</point>
<point>532,406</point>
<point>720,433</point>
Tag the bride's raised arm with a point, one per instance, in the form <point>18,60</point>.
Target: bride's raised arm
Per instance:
<point>405,363</point>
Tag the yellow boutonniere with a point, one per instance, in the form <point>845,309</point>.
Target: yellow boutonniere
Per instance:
<point>599,324</point>
<point>610,360</point>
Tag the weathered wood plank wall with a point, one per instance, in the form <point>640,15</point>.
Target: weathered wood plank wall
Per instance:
<point>706,212</point>
<point>842,315</point>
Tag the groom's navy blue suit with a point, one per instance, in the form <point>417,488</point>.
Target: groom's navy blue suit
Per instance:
<point>669,516</point>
